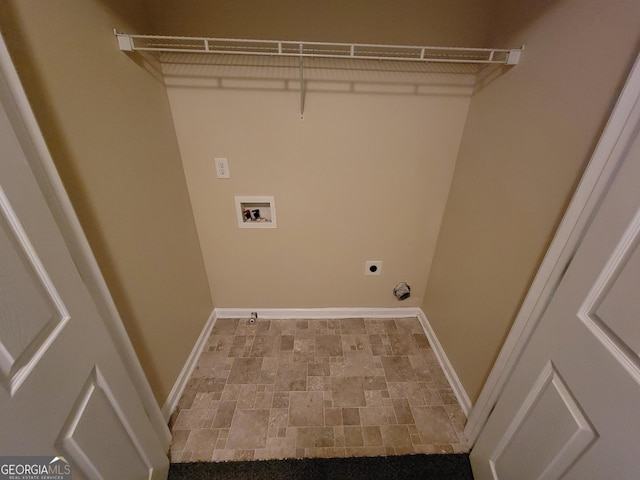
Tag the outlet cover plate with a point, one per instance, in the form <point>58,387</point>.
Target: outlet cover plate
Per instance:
<point>373,267</point>
<point>222,167</point>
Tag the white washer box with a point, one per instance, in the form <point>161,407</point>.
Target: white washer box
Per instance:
<point>256,211</point>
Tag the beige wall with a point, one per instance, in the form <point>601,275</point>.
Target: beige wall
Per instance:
<point>528,136</point>
<point>108,125</point>
<point>364,176</point>
<point>408,22</point>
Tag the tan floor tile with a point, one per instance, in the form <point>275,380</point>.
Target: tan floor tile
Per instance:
<point>201,455</point>
<point>231,392</point>
<point>395,435</point>
<point>460,448</point>
<point>319,369</point>
<point>224,415</point>
<point>337,452</point>
<point>281,442</point>
<point>356,343</point>
<point>432,397</point>
<point>403,344</point>
<point>447,395</point>
<point>353,437</point>
<point>364,451</point>
<point>263,400</point>
<point>317,453</point>
<point>403,411</point>
<point>372,436</point>
<point>318,384</point>
<point>374,383</point>
<point>421,341</point>
<point>188,419</point>
<point>359,386</point>
<point>398,369</point>
<point>374,326</point>
<point>247,396</point>
<point>439,380</point>
<point>373,398</point>
<point>434,425</point>
<point>306,437</point>
<point>348,392</point>
<point>404,449</point>
<point>286,343</point>
<point>248,429</point>
<point>374,416</point>
<point>328,345</point>
<point>202,439</point>
<point>225,326</point>
<point>424,449</point>
<point>389,325</point>
<point>280,400</point>
<point>179,456</point>
<point>245,370</point>
<point>179,439</point>
<point>241,455</point>
<point>333,416</point>
<point>378,350</point>
<point>325,437</point>
<point>203,400</point>
<point>279,417</point>
<point>305,409</point>
<point>443,448</point>
<point>265,346</point>
<point>352,325</point>
<point>397,390</point>
<point>414,394</point>
<point>222,455</point>
<point>355,364</point>
<point>291,377</point>
<point>350,416</point>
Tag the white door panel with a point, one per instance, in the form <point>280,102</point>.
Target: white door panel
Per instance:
<point>570,408</point>
<point>64,390</point>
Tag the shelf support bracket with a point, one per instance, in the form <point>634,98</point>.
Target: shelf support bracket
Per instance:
<point>513,56</point>
<point>125,43</point>
<point>302,85</point>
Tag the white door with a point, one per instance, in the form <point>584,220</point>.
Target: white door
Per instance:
<point>571,407</point>
<point>64,390</point>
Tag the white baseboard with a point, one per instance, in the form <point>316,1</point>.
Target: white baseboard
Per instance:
<point>450,373</point>
<point>181,382</point>
<point>307,313</point>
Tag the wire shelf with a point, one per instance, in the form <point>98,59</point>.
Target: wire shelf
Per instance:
<point>163,46</point>
<point>356,51</point>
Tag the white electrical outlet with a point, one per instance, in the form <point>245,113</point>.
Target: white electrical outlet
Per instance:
<point>373,267</point>
<point>222,168</point>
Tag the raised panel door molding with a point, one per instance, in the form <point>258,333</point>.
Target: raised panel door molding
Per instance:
<point>551,412</point>
<point>611,308</point>
<point>32,313</point>
<point>97,410</point>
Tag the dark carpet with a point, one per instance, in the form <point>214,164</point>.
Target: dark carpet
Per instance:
<point>402,467</point>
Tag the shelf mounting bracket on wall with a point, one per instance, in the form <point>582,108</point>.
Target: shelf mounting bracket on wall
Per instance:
<point>302,86</point>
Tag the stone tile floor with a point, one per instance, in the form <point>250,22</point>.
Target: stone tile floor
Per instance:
<point>316,388</point>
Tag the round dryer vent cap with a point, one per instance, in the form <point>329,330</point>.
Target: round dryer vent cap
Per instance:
<point>402,291</point>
